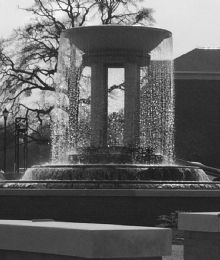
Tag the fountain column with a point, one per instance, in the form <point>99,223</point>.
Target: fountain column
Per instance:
<point>99,104</point>
<point>132,104</point>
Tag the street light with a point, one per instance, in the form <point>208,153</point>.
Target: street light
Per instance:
<point>5,115</point>
<point>21,129</point>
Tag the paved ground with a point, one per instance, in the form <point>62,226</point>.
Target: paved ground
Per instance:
<point>177,253</point>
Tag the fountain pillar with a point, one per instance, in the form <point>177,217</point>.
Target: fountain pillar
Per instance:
<point>132,104</point>
<point>99,104</point>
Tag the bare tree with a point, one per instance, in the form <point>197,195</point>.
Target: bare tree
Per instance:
<point>124,12</point>
<point>28,59</point>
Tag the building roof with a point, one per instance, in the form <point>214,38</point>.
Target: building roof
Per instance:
<point>198,64</point>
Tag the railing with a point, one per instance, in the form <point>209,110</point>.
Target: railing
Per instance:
<point>209,170</point>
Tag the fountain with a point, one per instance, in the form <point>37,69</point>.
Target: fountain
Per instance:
<point>145,150</point>
<point>106,157</point>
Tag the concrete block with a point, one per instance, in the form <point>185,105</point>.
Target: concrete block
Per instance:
<point>201,235</point>
<point>66,240</point>
<point>199,221</point>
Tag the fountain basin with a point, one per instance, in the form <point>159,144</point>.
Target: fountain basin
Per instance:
<point>115,172</point>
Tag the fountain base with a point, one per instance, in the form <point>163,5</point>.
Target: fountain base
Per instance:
<point>115,172</point>
<point>114,155</point>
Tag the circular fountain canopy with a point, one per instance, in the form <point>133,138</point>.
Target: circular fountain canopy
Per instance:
<point>116,37</point>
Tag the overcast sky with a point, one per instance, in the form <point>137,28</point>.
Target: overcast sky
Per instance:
<point>194,23</point>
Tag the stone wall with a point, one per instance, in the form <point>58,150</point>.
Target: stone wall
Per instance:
<point>127,207</point>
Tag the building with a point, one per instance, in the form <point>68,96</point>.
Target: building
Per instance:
<point>197,90</point>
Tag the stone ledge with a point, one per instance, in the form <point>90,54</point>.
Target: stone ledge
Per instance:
<point>110,193</point>
<point>199,221</point>
<point>84,240</point>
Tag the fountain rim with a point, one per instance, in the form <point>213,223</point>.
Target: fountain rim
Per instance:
<point>127,38</point>
<point>113,166</point>
<point>110,26</point>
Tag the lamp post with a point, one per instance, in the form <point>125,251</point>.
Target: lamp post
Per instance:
<point>21,129</point>
<point>5,115</point>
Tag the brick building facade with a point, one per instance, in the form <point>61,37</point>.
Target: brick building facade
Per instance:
<point>197,106</point>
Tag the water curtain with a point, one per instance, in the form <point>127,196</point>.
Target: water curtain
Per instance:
<point>71,116</point>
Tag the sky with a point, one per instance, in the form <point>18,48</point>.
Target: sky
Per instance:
<point>194,23</point>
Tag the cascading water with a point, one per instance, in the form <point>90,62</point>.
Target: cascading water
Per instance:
<point>71,122</point>
<point>157,102</point>
<point>60,117</point>
<point>68,108</point>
